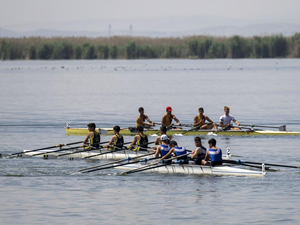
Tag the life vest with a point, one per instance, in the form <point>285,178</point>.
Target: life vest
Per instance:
<point>95,140</point>
<point>215,155</point>
<point>143,141</point>
<point>200,156</point>
<point>164,149</point>
<point>118,143</point>
<point>180,151</point>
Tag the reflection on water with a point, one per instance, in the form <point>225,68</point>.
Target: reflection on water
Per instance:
<point>39,98</point>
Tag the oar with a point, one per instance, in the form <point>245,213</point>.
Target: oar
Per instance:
<point>152,165</point>
<point>106,165</point>
<point>258,163</point>
<point>87,150</point>
<point>281,128</point>
<point>55,146</point>
<point>117,150</point>
<point>63,149</point>
<point>104,153</point>
<point>192,129</point>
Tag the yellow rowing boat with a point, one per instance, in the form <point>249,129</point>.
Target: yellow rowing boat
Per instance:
<point>127,131</point>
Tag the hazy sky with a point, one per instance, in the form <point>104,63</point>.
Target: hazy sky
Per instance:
<point>43,12</point>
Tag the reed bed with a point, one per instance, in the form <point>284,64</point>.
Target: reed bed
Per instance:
<point>127,47</point>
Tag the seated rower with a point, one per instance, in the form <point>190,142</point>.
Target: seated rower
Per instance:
<point>213,154</point>
<point>164,149</point>
<point>225,120</point>
<point>162,130</point>
<point>116,141</point>
<point>178,151</point>
<point>199,121</point>
<point>140,140</point>
<point>93,137</point>
<point>140,120</point>
<point>168,117</point>
<point>199,154</point>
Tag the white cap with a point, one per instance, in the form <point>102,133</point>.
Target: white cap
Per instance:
<point>164,137</point>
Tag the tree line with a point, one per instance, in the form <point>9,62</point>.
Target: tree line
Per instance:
<point>202,47</point>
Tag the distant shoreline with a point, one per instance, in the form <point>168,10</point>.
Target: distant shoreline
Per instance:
<point>126,47</point>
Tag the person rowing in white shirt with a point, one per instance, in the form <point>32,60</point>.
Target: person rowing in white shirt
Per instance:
<point>225,120</point>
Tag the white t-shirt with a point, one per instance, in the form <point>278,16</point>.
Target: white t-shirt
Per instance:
<point>226,119</point>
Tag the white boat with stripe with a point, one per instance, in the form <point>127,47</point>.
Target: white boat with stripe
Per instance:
<point>198,170</point>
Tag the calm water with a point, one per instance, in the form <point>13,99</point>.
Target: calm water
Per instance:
<point>37,98</point>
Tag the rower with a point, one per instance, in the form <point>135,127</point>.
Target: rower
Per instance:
<point>199,154</point>
<point>93,137</point>
<point>164,149</point>
<point>116,141</point>
<point>225,120</point>
<point>178,151</point>
<point>162,130</point>
<point>140,120</point>
<point>199,121</point>
<point>213,154</point>
<point>168,117</point>
<point>141,140</point>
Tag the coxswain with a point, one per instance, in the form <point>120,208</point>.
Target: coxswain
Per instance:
<point>199,154</point>
<point>141,140</point>
<point>140,120</point>
<point>93,137</point>
<point>213,154</point>
<point>225,120</point>
<point>164,149</point>
<point>168,118</point>
<point>199,121</point>
<point>162,130</point>
<point>116,141</point>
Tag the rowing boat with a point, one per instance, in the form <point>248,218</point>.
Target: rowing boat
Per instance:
<point>91,154</point>
<point>127,131</point>
<point>77,154</point>
<point>198,170</point>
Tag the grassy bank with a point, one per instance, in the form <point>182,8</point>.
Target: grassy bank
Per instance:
<point>203,47</point>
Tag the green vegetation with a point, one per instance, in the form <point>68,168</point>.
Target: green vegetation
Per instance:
<point>202,47</point>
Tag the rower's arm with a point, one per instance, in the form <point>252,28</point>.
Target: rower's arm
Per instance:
<point>207,157</point>
<point>208,119</point>
<point>134,141</point>
<point>177,121</point>
<point>157,140</point>
<point>236,122</point>
<point>156,155</point>
<point>88,136</point>
<point>195,153</point>
<point>150,121</point>
<point>112,140</point>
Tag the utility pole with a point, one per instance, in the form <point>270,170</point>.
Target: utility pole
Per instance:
<point>130,30</point>
<point>109,30</point>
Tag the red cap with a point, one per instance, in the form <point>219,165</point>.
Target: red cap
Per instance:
<point>169,109</point>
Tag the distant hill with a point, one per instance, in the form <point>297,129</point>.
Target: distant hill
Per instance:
<point>158,27</point>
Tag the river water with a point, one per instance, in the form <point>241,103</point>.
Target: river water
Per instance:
<point>37,98</point>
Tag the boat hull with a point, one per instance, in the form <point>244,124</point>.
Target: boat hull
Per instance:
<point>92,154</point>
<point>198,170</point>
<point>109,131</point>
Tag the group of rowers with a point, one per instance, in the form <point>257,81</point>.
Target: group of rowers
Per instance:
<point>166,149</point>
<point>201,121</point>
